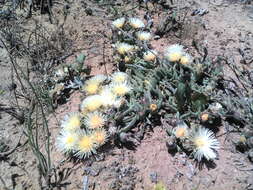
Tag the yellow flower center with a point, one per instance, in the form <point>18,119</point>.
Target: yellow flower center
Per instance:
<point>135,25</point>
<point>120,90</point>
<point>121,50</point>
<point>74,122</point>
<point>120,78</point>
<point>146,82</point>
<point>127,59</point>
<point>96,121</point>
<point>204,117</point>
<point>173,57</point>
<point>91,88</point>
<point>184,60</point>
<point>85,144</point>
<point>144,37</point>
<point>70,140</point>
<point>242,139</point>
<point>153,107</point>
<point>92,106</point>
<point>149,57</point>
<point>200,142</point>
<point>180,132</point>
<point>119,24</point>
<point>100,137</point>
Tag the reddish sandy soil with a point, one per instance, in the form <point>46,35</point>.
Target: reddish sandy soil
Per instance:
<point>226,27</point>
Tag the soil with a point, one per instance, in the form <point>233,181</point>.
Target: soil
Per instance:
<point>226,29</point>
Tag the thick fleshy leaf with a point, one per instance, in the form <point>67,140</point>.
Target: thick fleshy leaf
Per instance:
<point>199,101</point>
<point>80,58</point>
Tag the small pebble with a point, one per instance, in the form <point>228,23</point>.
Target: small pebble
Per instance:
<point>153,177</point>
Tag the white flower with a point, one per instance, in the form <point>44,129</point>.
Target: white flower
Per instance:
<point>91,103</point>
<point>205,144</point>
<point>99,136</point>
<point>85,145</point>
<point>143,36</point>
<point>175,48</point>
<point>150,55</point>
<point>94,120</point>
<point>136,23</point>
<point>119,77</point>
<point>119,23</point>
<point>174,52</point>
<point>92,85</point>
<point>124,48</point>
<point>181,130</point>
<point>185,59</point>
<point>127,59</point>
<point>66,141</point>
<point>120,89</point>
<point>71,122</point>
<point>108,98</point>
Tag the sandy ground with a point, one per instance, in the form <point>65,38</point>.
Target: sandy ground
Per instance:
<point>226,28</point>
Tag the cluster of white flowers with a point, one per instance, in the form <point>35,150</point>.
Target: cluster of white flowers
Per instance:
<point>82,133</point>
<point>133,22</point>
<point>175,53</point>
<point>124,49</point>
<point>203,141</point>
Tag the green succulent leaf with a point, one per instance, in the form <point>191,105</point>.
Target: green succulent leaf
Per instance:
<point>183,94</point>
<point>199,101</point>
<point>180,95</point>
<point>1,92</point>
<point>81,58</point>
